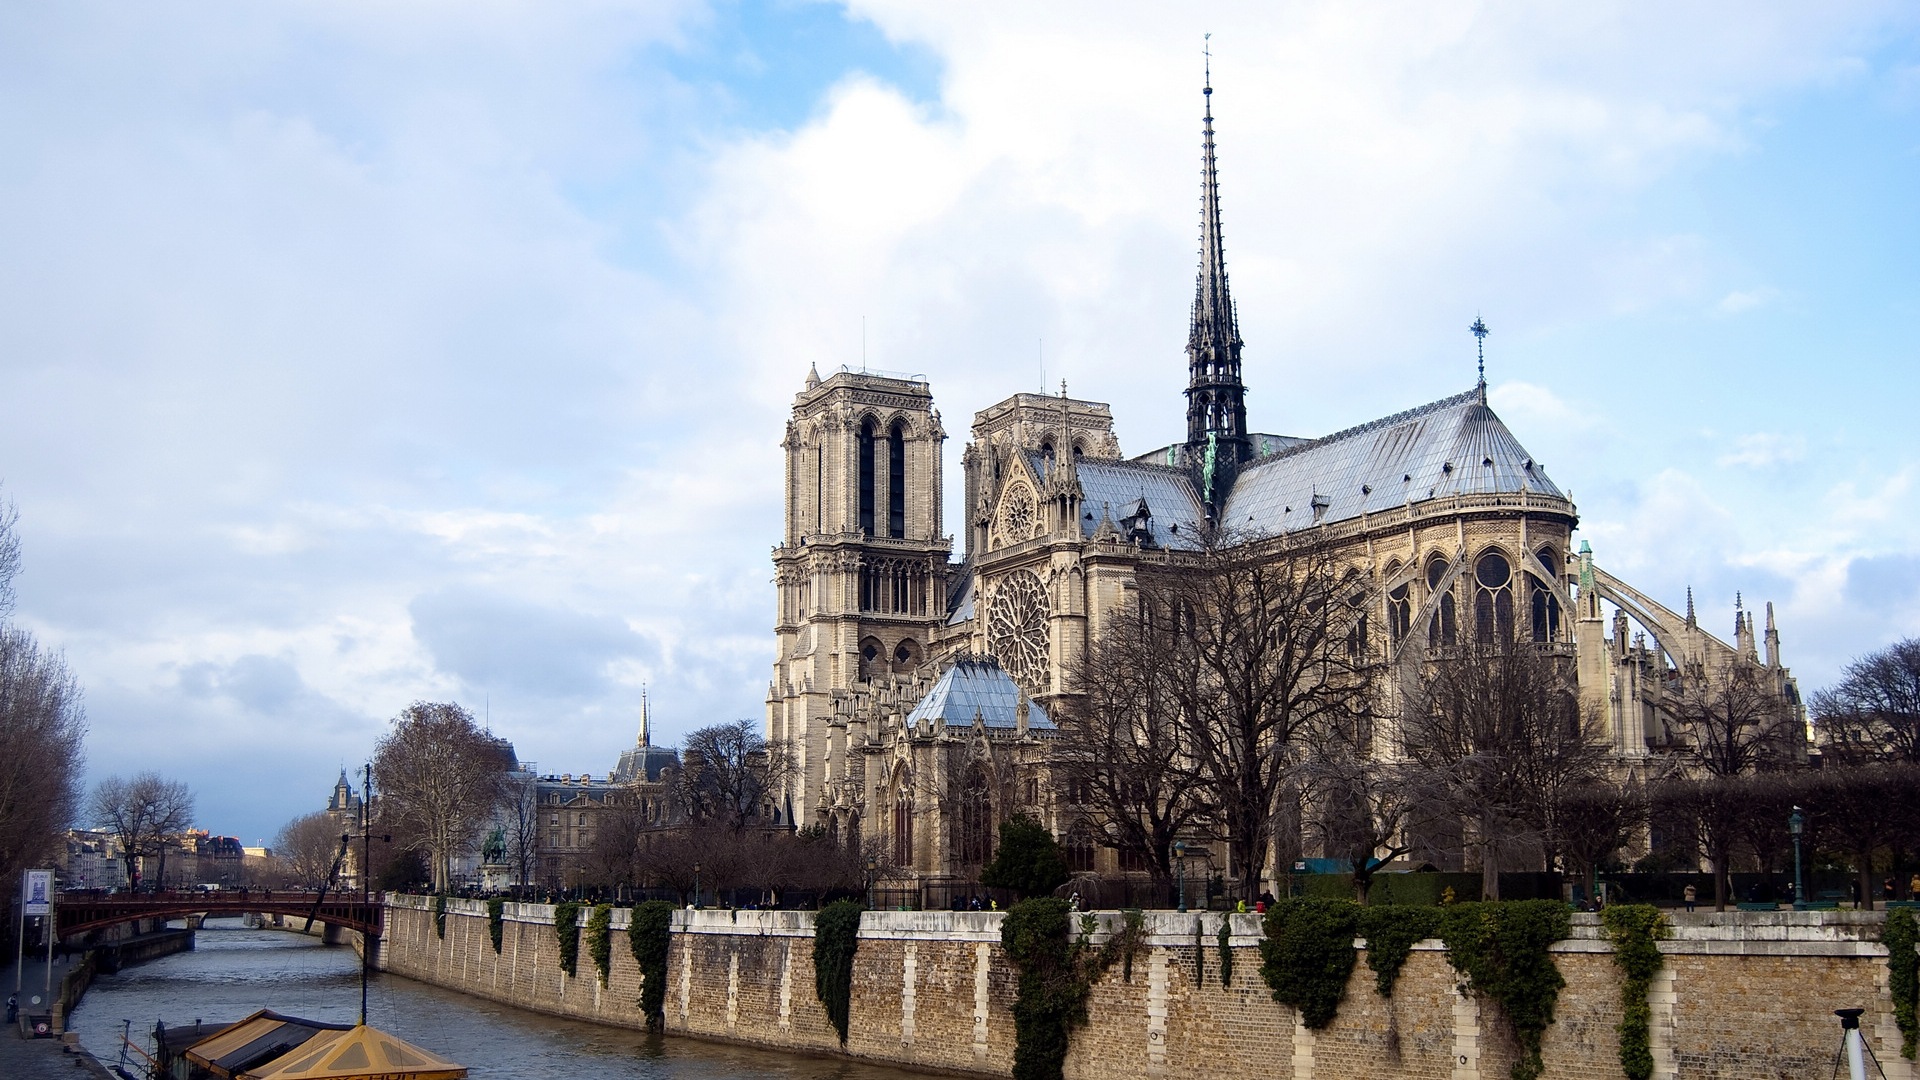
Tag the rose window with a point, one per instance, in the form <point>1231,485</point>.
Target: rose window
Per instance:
<point>1017,514</point>
<point>1017,628</point>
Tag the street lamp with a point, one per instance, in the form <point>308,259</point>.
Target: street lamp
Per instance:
<point>872,864</point>
<point>696,885</point>
<point>1796,824</point>
<point>1180,856</point>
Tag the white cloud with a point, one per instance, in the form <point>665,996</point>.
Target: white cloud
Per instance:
<point>1762,450</point>
<point>1744,300</point>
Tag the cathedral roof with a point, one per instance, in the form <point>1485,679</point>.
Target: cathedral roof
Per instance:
<point>976,685</point>
<point>1454,446</point>
<point>1113,487</point>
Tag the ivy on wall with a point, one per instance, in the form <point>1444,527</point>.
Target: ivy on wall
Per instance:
<point>1634,930</point>
<point>836,934</point>
<point>1501,948</point>
<point>1392,930</point>
<point>1903,970</point>
<point>566,930</point>
<point>1226,950</point>
<point>496,920</point>
<point>600,939</point>
<point>440,915</point>
<point>1307,955</point>
<point>1052,996</point>
<point>650,937</point>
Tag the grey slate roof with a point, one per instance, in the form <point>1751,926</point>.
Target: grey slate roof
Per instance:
<point>1455,446</point>
<point>1112,487</point>
<point>977,685</point>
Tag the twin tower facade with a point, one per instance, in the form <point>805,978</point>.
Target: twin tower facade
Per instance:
<point>913,688</point>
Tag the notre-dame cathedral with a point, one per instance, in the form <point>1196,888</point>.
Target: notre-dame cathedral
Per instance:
<point>914,689</point>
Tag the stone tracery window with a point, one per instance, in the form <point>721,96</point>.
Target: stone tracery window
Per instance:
<point>1017,629</point>
<point>1546,606</point>
<point>903,820</point>
<point>1492,599</point>
<point>1080,849</point>
<point>1443,628</point>
<point>973,824</point>
<point>1018,517</point>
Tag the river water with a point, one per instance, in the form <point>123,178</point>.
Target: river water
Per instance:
<point>233,971</point>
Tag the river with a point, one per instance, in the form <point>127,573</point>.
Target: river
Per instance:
<point>234,971</point>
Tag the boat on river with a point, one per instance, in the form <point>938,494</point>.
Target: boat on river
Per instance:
<point>270,1046</point>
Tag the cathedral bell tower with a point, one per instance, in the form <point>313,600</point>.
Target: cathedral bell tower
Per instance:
<point>861,575</point>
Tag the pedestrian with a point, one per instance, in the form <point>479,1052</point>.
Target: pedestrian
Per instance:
<point>13,1008</point>
<point>1913,888</point>
<point>1689,895</point>
<point>1887,891</point>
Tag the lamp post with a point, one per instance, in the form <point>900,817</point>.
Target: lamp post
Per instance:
<point>1796,824</point>
<point>872,864</point>
<point>696,886</point>
<point>1180,857</point>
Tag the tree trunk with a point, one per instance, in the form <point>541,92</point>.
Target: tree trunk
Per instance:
<point>1866,880</point>
<point>1719,879</point>
<point>1489,862</point>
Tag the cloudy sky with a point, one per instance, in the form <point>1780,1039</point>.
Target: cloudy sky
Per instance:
<point>353,353</point>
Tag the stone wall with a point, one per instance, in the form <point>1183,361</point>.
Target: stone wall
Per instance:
<point>1742,995</point>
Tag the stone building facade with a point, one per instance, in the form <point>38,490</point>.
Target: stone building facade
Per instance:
<point>1452,531</point>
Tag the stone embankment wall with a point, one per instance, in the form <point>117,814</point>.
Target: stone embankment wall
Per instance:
<point>1741,995</point>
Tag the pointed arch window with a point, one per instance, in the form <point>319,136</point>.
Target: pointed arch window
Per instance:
<point>1080,849</point>
<point>973,829</point>
<point>903,821</point>
<point>867,478</point>
<point>1443,629</point>
<point>896,481</point>
<point>1399,606</point>
<point>1492,599</point>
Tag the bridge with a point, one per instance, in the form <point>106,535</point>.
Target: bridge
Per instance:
<point>79,912</point>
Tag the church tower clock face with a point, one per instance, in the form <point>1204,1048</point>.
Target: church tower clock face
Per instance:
<point>1017,629</point>
<point>1017,515</point>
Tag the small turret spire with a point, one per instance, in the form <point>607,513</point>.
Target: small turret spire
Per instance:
<point>645,720</point>
<point>1480,333</point>
<point>1690,618</point>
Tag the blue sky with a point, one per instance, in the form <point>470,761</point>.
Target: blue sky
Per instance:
<point>355,353</point>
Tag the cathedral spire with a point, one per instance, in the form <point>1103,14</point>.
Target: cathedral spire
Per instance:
<point>1216,399</point>
<point>645,720</point>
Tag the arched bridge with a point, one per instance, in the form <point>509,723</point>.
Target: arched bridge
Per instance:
<point>77,913</point>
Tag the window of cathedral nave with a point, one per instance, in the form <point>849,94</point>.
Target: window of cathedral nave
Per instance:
<point>973,826</point>
<point>1492,599</point>
<point>1399,606</point>
<point>1080,848</point>
<point>903,820</point>
<point>1443,628</point>
<point>1545,605</point>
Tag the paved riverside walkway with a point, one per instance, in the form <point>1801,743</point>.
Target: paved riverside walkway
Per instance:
<point>44,1059</point>
<point>22,1058</point>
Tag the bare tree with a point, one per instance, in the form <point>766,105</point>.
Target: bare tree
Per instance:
<point>1364,801</point>
<point>9,553</point>
<point>519,815</point>
<point>440,777</point>
<point>42,728</point>
<point>1121,750</point>
<point>307,847</point>
<point>730,774</point>
<point>147,814</point>
<point>1731,724</point>
<point>1496,735</point>
<point>1263,648</point>
<point>613,856</point>
<point>1873,712</point>
<point>1596,819</point>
